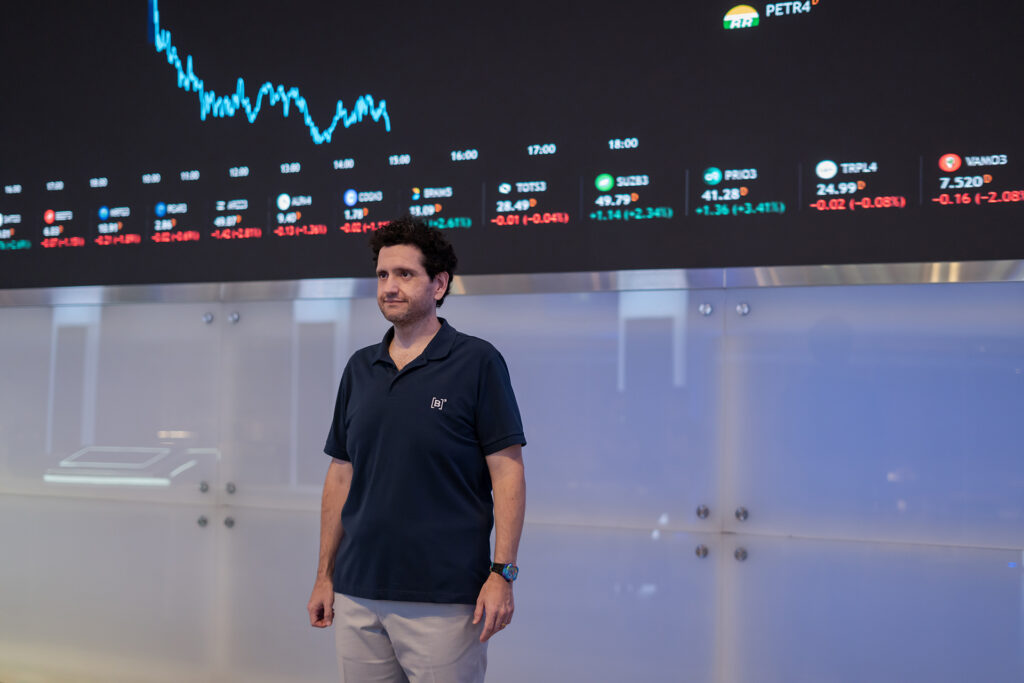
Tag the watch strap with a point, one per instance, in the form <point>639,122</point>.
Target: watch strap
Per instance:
<point>508,571</point>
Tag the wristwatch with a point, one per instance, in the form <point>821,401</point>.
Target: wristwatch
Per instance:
<point>508,571</point>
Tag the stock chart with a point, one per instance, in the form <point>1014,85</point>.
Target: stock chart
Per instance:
<point>153,141</point>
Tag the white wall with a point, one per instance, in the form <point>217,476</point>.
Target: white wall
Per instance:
<point>872,434</point>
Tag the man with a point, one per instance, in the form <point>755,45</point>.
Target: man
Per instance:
<point>425,427</point>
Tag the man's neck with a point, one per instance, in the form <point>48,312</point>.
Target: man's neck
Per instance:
<point>416,335</point>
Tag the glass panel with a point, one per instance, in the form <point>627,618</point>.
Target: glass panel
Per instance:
<point>802,611</point>
<point>609,605</point>
<point>104,590</point>
<point>269,564</point>
<point>877,412</point>
<point>618,393</point>
<point>25,358</point>
<point>282,365</point>
<point>625,362</point>
<point>129,408</point>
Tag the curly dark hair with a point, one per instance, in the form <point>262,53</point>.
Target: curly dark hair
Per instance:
<point>438,254</point>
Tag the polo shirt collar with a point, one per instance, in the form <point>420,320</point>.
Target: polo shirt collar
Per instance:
<point>439,347</point>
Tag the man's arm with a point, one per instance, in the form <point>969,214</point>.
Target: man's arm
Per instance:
<point>336,483</point>
<point>494,604</point>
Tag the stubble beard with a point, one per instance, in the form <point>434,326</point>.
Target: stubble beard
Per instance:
<point>408,315</point>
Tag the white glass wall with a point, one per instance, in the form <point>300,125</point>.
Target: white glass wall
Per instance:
<point>110,401</point>
<point>808,610</point>
<point>161,465</point>
<point>106,590</point>
<point>884,413</point>
<point>618,393</point>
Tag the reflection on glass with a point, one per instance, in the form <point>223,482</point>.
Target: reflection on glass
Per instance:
<point>125,465</point>
<point>669,305</point>
<point>74,364</point>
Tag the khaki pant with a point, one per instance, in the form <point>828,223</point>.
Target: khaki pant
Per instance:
<point>414,642</point>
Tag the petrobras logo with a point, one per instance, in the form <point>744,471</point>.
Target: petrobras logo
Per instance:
<point>746,16</point>
<point>741,16</point>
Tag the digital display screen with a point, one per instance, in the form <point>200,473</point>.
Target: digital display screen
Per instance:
<point>153,141</point>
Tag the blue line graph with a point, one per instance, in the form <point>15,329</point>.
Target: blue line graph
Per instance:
<point>226,106</point>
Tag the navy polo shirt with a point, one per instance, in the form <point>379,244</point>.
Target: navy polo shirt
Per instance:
<point>418,517</point>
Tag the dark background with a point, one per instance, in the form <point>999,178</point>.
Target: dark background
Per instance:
<point>86,94</point>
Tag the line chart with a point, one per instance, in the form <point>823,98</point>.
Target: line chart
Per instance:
<point>227,106</point>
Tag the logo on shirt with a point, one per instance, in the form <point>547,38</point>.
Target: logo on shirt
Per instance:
<point>438,403</point>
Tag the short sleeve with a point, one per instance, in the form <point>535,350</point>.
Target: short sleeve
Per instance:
<point>498,424</point>
<point>337,436</point>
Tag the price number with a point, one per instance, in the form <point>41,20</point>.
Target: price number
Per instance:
<point>422,210</point>
<point>961,182</point>
<point>826,189</point>
<point>506,205</point>
<point>613,200</point>
<point>725,194</point>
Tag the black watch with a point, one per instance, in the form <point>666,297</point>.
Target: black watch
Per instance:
<point>509,571</point>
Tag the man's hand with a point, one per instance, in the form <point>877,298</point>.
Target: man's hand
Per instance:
<point>336,485</point>
<point>494,605</point>
<point>321,604</point>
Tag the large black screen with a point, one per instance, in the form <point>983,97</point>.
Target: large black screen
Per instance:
<point>217,141</point>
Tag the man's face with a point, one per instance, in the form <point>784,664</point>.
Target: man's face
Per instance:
<point>405,293</point>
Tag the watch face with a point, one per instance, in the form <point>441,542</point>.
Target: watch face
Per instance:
<point>510,572</point>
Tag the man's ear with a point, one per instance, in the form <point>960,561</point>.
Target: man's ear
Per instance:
<point>441,279</point>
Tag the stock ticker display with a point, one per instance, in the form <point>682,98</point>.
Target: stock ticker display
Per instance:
<point>148,142</point>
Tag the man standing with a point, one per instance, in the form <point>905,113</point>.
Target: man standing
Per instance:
<point>425,427</point>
